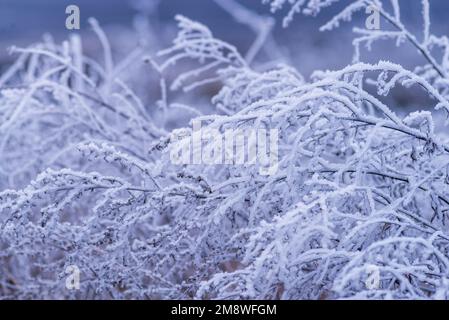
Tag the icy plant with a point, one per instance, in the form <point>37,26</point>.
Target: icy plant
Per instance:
<point>358,188</point>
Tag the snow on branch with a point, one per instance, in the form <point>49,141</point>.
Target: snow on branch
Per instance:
<point>357,208</point>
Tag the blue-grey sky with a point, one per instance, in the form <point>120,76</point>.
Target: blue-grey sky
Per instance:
<point>25,21</point>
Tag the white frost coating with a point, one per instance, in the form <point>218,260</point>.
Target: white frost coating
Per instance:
<point>87,180</point>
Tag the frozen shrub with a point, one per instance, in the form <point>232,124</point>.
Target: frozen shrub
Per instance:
<point>359,189</point>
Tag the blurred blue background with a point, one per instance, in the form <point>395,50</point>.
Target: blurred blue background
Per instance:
<point>23,22</point>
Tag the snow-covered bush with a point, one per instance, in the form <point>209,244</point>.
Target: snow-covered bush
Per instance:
<point>357,208</point>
